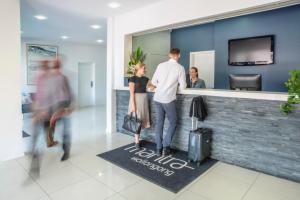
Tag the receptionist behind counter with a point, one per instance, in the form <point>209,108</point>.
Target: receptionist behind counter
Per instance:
<point>193,80</point>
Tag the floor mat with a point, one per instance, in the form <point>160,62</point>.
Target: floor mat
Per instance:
<point>172,172</point>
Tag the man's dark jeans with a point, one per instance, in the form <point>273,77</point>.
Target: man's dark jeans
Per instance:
<point>163,109</point>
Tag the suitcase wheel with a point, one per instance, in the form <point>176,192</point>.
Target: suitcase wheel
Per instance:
<point>198,164</point>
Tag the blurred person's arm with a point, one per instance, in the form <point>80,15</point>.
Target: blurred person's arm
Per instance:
<point>70,97</point>
<point>68,109</point>
<point>71,107</point>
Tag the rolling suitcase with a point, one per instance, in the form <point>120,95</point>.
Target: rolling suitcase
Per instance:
<point>199,143</point>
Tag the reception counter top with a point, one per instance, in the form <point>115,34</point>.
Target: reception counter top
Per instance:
<point>248,128</point>
<point>275,96</point>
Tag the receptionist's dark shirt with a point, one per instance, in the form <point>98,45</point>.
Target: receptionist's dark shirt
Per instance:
<point>197,84</point>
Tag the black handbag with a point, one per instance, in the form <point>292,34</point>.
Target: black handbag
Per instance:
<point>132,124</point>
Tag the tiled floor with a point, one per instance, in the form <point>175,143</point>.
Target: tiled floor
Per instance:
<point>87,177</point>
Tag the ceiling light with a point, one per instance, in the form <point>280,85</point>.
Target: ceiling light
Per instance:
<point>64,37</point>
<point>99,41</point>
<point>95,26</point>
<point>114,4</point>
<point>40,17</point>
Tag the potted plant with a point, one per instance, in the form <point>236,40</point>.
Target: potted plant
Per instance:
<point>293,85</point>
<point>137,56</point>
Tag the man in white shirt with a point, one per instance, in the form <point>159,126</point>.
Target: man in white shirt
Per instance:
<point>168,78</point>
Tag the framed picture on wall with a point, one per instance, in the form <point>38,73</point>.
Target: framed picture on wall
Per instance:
<point>35,54</point>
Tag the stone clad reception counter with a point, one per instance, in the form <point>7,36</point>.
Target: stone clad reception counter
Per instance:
<point>248,129</point>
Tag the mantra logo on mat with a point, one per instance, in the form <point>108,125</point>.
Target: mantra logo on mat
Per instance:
<point>165,165</point>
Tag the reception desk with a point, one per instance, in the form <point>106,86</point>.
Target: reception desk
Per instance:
<point>248,128</point>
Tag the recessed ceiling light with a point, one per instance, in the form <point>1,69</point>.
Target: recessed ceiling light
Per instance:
<point>40,17</point>
<point>99,41</point>
<point>95,26</point>
<point>64,37</point>
<point>114,4</point>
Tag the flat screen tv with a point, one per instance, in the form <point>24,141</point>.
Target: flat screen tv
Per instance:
<point>251,51</point>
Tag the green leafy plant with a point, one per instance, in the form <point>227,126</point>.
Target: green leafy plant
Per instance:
<point>136,57</point>
<point>293,85</point>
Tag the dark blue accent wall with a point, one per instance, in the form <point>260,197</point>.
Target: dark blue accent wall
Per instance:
<point>196,38</point>
<point>284,23</point>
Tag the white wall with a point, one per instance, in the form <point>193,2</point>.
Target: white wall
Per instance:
<point>158,15</point>
<point>10,81</point>
<point>73,54</point>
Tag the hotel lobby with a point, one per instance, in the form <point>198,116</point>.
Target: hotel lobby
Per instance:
<point>246,128</point>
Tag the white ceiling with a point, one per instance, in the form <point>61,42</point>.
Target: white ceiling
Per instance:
<point>72,18</point>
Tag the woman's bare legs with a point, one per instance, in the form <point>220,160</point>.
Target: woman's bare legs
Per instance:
<point>137,138</point>
<point>50,136</point>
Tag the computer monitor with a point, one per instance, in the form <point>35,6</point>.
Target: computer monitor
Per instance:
<point>245,82</point>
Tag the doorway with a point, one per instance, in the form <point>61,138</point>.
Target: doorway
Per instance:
<point>205,62</point>
<point>86,84</point>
